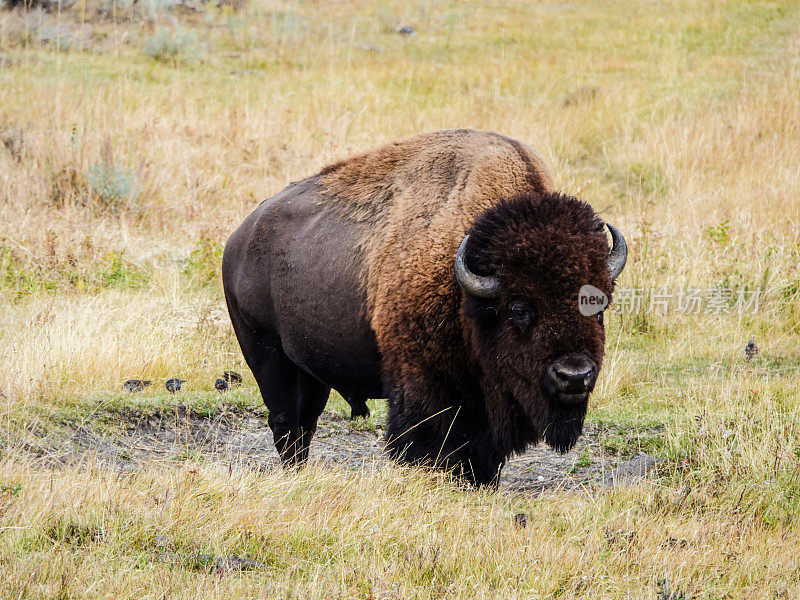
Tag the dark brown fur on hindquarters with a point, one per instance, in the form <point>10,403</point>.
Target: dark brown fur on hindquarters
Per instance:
<point>347,280</point>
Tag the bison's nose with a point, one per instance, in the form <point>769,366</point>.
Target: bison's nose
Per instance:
<point>572,377</point>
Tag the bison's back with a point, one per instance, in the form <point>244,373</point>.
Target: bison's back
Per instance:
<point>451,171</point>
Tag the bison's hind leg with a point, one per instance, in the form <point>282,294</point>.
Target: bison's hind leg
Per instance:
<point>293,443</point>
<point>312,396</point>
<point>294,399</point>
<point>276,376</point>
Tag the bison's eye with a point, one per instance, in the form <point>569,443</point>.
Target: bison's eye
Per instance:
<point>600,317</point>
<point>521,314</point>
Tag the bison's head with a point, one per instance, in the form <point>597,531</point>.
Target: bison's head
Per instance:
<point>521,268</point>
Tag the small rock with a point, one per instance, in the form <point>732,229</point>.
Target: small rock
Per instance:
<point>664,591</point>
<point>234,563</point>
<point>631,470</point>
<point>406,30</point>
<point>163,542</point>
<point>520,520</point>
<point>221,385</point>
<point>539,478</point>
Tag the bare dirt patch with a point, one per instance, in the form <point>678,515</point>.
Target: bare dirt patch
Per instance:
<point>241,439</point>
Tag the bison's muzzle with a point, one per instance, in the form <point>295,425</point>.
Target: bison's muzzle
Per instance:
<point>569,379</point>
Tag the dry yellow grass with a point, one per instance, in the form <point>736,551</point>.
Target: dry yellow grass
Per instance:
<point>680,121</point>
<point>374,533</point>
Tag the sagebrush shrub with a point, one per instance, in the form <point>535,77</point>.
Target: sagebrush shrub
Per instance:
<point>112,184</point>
<point>173,46</point>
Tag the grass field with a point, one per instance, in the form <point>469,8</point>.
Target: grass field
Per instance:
<point>135,138</point>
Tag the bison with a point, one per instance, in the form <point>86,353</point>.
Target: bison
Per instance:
<point>441,272</point>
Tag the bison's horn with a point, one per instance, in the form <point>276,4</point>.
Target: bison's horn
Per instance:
<point>475,285</point>
<point>619,252</point>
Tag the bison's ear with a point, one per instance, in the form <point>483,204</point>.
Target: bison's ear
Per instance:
<point>618,255</point>
<point>475,285</point>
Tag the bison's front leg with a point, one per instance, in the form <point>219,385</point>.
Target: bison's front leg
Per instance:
<point>451,439</point>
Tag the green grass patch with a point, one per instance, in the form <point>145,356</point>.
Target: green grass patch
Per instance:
<point>21,277</point>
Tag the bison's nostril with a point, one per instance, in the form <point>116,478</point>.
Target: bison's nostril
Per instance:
<point>573,374</point>
<point>587,376</point>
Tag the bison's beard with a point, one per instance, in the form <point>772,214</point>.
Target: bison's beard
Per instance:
<point>522,413</point>
<point>565,426</point>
